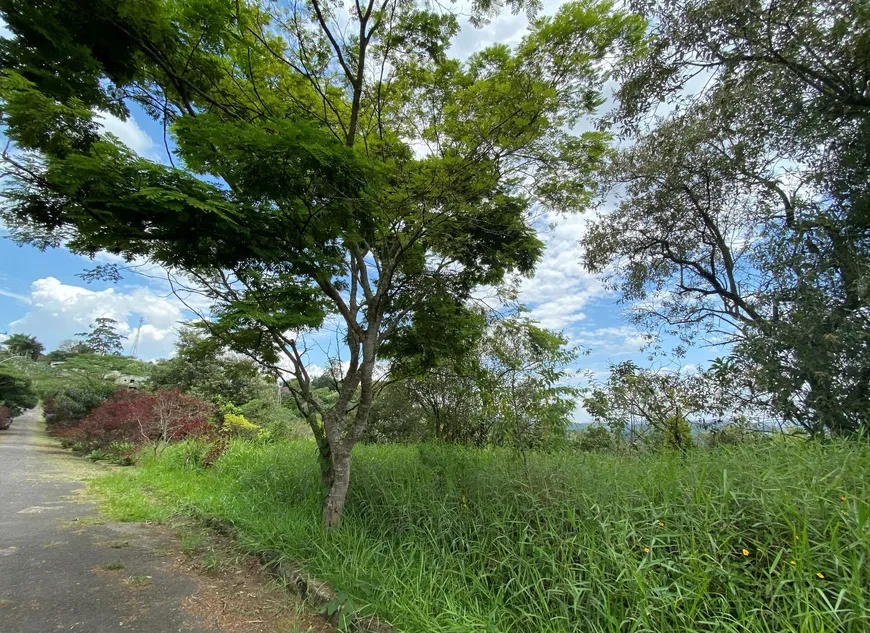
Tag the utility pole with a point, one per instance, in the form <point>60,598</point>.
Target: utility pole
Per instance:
<point>135,349</point>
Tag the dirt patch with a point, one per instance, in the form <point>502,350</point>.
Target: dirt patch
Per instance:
<point>235,593</point>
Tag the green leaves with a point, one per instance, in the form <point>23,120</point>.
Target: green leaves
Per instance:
<point>744,212</point>
<point>35,121</point>
<point>16,392</point>
<point>364,175</point>
<point>22,345</point>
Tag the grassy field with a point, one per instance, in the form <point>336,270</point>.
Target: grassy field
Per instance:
<point>770,538</point>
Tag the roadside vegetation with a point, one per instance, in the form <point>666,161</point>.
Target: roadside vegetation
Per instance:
<point>363,183</point>
<point>771,537</point>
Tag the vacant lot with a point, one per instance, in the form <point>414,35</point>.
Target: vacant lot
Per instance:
<point>765,538</point>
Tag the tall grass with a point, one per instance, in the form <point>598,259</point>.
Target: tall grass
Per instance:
<point>770,538</point>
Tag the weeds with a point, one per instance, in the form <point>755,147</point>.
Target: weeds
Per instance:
<point>450,539</point>
<point>138,581</point>
<point>190,542</point>
<point>112,565</point>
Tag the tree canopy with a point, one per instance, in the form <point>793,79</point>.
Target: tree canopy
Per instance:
<point>102,338</point>
<point>23,345</point>
<point>16,393</point>
<point>742,213</point>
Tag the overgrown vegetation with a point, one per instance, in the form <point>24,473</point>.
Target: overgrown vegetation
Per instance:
<point>16,394</point>
<point>362,178</point>
<point>771,537</point>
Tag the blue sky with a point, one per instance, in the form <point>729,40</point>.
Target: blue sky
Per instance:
<point>40,293</point>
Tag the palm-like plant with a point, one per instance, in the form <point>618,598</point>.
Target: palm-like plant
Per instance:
<point>23,345</point>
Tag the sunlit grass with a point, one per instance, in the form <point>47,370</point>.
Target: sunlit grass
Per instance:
<point>770,538</point>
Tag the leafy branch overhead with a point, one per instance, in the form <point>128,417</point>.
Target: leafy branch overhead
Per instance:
<point>742,214</point>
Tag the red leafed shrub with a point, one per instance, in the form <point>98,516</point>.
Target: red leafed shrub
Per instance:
<point>137,417</point>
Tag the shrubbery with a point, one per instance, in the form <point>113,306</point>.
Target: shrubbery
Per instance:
<point>591,438</point>
<point>16,395</point>
<point>283,422</point>
<point>68,406</point>
<point>131,418</point>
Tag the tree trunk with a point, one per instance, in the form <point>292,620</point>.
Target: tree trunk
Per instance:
<point>333,506</point>
<point>324,458</point>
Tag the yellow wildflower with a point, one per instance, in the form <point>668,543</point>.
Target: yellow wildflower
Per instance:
<point>745,551</point>
<point>646,550</point>
<point>792,562</point>
<point>661,524</point>
<point>843,498</point>
<point>820,575</point>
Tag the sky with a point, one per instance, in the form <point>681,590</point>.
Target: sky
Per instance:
<point>41,293</point>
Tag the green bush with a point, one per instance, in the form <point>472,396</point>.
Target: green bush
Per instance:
<point>16,393</point>
<point>591,438</point>
<point>731,435</point>
<point>281,422</point>
<point>72,404</point>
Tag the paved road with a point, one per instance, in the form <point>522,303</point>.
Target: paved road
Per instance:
<point>52,546</point>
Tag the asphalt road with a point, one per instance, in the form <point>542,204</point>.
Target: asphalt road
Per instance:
<point>54,547</point>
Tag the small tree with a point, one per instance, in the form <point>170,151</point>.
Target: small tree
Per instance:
<point>507,388</point>
<point>202,367</point>
<point>23,345</point>
<point>102,338</point>
<point>524,388</point>
<point>638,404</point>
<point>592,438</point>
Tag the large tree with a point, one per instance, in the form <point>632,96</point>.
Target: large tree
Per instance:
<point>742,210</point>
<point>332,161</point>
<point>103,337</point>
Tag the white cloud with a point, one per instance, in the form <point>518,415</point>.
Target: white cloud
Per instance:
<point>560,289</point>
<point>618,340</point>
<point>129,133</point>
<point>14,295</point>
<point>505,28</point>
<point>58,311</point>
